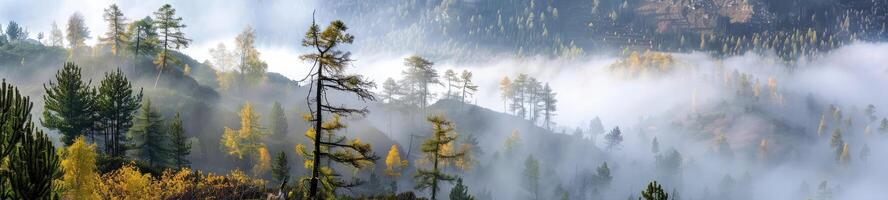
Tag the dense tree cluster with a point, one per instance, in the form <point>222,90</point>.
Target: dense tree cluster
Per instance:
<point>529,99</point>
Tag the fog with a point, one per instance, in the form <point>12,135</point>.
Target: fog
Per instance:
<point>772,139</point>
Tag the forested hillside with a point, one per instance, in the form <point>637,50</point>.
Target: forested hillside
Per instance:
<point>450,99</point>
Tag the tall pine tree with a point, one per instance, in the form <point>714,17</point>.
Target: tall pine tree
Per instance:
<point>116,36</point>
<point>171,37</point>
<point>328,73</point>
<point>70,104</point>
<point>181,146</point>
<point>117,103</point>
<point>278,123</point>
<point>280,170</point>
<point>151,143</point>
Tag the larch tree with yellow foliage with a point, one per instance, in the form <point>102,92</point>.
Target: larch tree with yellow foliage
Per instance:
<point>335,149</point>
<point>435,151</point>
<point>328,73</point>
<point>246,141</point>
<point>394,165</point>
<point>80,181</point>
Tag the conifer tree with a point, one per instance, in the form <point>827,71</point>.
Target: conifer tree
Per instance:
<point>142,37</point>
<point>532,177</point>
<point>549,106</point>
<point>14,32</point>
<point>181,146</point>
<point>69,104</point>
<point>390,91</point>
<point>278,123</point>
<point>116,103</point>
<point>451,81</point>
<point>31,160</point>
<point>394,165</point>
<point>460,191</point>
<point>603,176</point>
<point>654,192</point>
<point>393,162</point>
<point>116,35</point>
<point>248,139</point>
<point>433,150</point>
<point>280,171</point>
<point>151,143</point>
<point>614,138</point>
<point>417,79</point>
<point>339,149</point>
<point>328,73</point>
<point>81,180</point>
<point>468,87</point>
<point>171,37</point>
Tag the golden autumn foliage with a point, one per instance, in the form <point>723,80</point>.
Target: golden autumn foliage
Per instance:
<point>263,163</point>
<point>247,139</point>
<point>129,183</point>
<point>642,64</point>
<point>80,181</point>
<point>393,162</point>
<point>513,140</point>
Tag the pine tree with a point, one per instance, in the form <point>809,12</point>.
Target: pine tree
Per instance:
<point>883,126</point>
<point>56,37</point>
<point>31,160</point>
<point>280,171</point>
<point>81,180</point>
<point>390,91</point>
<point>549,106</point>
<point>330,63</point>
<point>116,36</point>
<point>417,79</point>
<point>181,146</point>
<point>250,65</point>
<point>434,152</point>
<point>603,176</point>
<point>117,103</point>
<point>451,81</point>
<point>69,104</point>
<point>151,143</point>
<point>142,37</point>
<point>171,37</point>
<point>468,87</point>
<point>278,123</point>
<point>14,32</point>
<point>338,149</point>
<point>77,33</point>
<point>532,177</point>
<point>460,191</point>
<point>654,192</point>
<point>614,138</point>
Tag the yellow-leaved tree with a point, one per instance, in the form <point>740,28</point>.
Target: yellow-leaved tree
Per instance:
<point>393,162</point>
<point>80,181</point>
<point>263,162</point>
<point>246,140</point>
